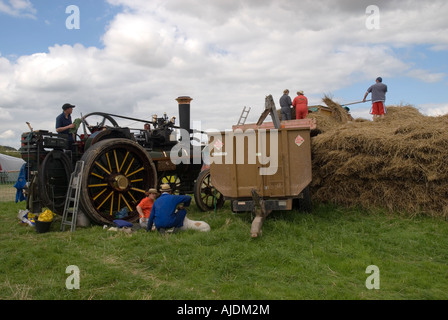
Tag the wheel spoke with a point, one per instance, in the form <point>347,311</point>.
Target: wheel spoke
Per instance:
<point>97,185</point>
<point>105,170</point>
<point>132,197</point>
<point>108,162</point>
<point>125,201</point>
<point>135,172</point>
<point>119,203</point>
<point>116,160</point>
<point>124,161</point>
<point>99,207</point>
<point>97,175</point>
<point>138,190</point>
<point>112,205</point>
<point>99,194</point>
<point>129,167</point>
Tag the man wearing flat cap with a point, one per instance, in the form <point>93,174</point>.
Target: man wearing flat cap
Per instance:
<point>168,210</point>
<point>64,122</point>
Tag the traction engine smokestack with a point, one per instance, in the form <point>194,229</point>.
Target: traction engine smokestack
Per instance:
<point>184,112</point>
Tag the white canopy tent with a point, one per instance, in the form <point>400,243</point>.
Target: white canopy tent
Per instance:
<point>10,167</point>
<point>8,163</point>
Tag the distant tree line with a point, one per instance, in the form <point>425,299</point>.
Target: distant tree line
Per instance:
<point>9,151</point>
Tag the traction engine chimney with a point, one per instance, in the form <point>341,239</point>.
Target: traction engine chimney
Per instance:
<point>184,112</point>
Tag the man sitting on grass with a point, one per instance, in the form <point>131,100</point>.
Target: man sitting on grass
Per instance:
<point>168,211</point>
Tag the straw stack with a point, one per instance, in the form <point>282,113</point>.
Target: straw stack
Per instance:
<point>398,163</point>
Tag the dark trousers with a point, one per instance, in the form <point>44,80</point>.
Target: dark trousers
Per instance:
<point>286,113</point>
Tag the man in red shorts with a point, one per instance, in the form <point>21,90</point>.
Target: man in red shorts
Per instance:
<point>301,104</point>
<point>378,91</point>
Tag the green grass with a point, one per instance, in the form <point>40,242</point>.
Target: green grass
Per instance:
<point>323,255</point>
<point>7,191</point>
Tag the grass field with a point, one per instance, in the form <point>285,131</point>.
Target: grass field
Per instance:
<point>323,255</point>
<point>7,191</point>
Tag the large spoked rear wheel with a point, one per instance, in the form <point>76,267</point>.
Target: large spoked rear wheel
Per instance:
<point>117,172</point>
<point>207,197</point>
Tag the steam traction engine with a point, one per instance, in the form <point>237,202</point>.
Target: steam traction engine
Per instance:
<point>120,164</point>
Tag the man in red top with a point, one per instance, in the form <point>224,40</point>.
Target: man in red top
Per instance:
<point>301,104</point>
<point>145,206</point>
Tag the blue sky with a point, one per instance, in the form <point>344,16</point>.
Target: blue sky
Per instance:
<point>134,57</point>
<point>24,35</point>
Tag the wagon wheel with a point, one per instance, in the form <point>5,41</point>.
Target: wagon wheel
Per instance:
<point>304,203</point>
<point>54,177</point>
<point>207,197</point>
<point>173,180</point>
<point>101,119</point>
<point>117,172</point>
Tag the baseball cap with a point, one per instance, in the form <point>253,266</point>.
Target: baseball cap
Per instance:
<point>67,106</point>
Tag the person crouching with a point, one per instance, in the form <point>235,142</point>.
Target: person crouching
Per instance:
<point>145,206</point>
<point>168,211</point>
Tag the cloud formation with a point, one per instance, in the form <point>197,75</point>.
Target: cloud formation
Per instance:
<point>226,54</point>
<point>18,8</point>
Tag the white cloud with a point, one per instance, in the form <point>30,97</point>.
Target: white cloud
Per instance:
<point>426,76</point>
<point>18,8</point>
<point>361,113</point>
<point>434,109</point>
<point>226,54</point>
<point>7,134</point>
<point>5,115</point>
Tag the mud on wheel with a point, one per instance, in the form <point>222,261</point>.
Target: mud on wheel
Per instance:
<point>117,172</point>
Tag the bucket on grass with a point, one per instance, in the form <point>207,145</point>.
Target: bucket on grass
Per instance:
<point>42,227</point>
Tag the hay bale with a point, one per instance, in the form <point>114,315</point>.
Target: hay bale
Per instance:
<point>397,163</point>
<point>338,116</point>
<point>324,122</point>
<point>338,113</point>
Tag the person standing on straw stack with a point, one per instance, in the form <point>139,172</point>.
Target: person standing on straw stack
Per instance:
<point>285,104</point>
<point>301,104</point>
<point>378,91</point>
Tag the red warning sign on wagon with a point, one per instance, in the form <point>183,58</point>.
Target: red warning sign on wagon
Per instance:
<point>218,145</point>
<point>299,140</point>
